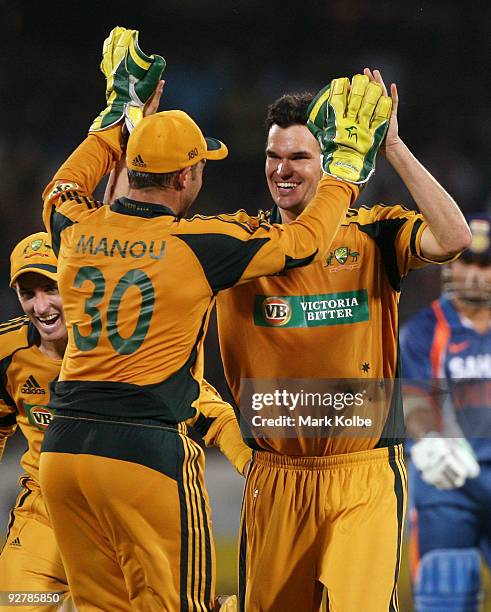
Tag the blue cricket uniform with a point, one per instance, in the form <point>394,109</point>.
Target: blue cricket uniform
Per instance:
<point>438,344</point>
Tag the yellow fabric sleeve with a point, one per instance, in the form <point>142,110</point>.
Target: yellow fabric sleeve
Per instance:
<point>217,424</point>
<point>80,174</point>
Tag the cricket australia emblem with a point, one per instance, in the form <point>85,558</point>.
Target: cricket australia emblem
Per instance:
<point>337,259</point>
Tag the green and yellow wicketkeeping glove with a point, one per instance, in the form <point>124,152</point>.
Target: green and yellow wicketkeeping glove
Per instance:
<point>131,78</point>
<point>350,125</point>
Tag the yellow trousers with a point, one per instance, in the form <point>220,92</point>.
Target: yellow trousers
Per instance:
<point>132,536</point>
<point>30,559</point>
<point>334,522</point>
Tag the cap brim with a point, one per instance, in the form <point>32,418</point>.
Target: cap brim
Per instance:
<point>215,149</point>
<point>44,269</point>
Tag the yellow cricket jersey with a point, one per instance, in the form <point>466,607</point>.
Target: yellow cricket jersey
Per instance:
<point>138,284</point>
<point>334,319</point>
<point>25,375</point>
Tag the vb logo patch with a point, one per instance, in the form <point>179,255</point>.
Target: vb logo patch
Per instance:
<point>276,311</point>
<point>39,416</point>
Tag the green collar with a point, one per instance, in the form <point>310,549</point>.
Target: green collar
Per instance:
<point>134,208</point>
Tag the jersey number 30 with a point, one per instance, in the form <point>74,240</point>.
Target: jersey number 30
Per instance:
<point>124,346</point>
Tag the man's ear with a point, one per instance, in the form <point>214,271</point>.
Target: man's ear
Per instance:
<point>183,178</point>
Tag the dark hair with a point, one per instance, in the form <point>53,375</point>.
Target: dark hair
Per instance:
<point>290,109</point>
<point>161,180</point>
<point>145,180</point>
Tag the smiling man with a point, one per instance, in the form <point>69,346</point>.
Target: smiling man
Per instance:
<point>324,511</point>
<point>32,348</point>
<point>38,295</point>
<point>292,164</point>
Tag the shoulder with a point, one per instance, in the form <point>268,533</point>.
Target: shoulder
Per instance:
<point>14,335</point>
<point>366,215</point>
<point>239,224</point>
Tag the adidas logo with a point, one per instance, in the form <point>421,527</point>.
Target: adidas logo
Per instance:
<point>138,161</point>
<point>32,387</point>
<point>16,542</point>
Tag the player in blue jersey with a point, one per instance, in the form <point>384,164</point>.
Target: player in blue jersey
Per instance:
<point>446,358</point>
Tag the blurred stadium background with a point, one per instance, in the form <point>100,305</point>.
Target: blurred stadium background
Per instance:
<point>226,63</point>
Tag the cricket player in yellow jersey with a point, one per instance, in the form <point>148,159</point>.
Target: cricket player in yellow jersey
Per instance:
<point>30,359</point>
<point>326,512</point>
<point>31,351</point>
<point>123,482</point>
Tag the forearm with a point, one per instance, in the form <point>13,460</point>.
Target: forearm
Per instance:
<point>420,416</point>
<point>90,161</point>
<point>420,423</point>
<point>308,237</point>
<point>69,194</point>
<point>218,426</point>
<point>450,233</point>
<point>317,226</point>
<point>226,436</point>
<point>117,184</point>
